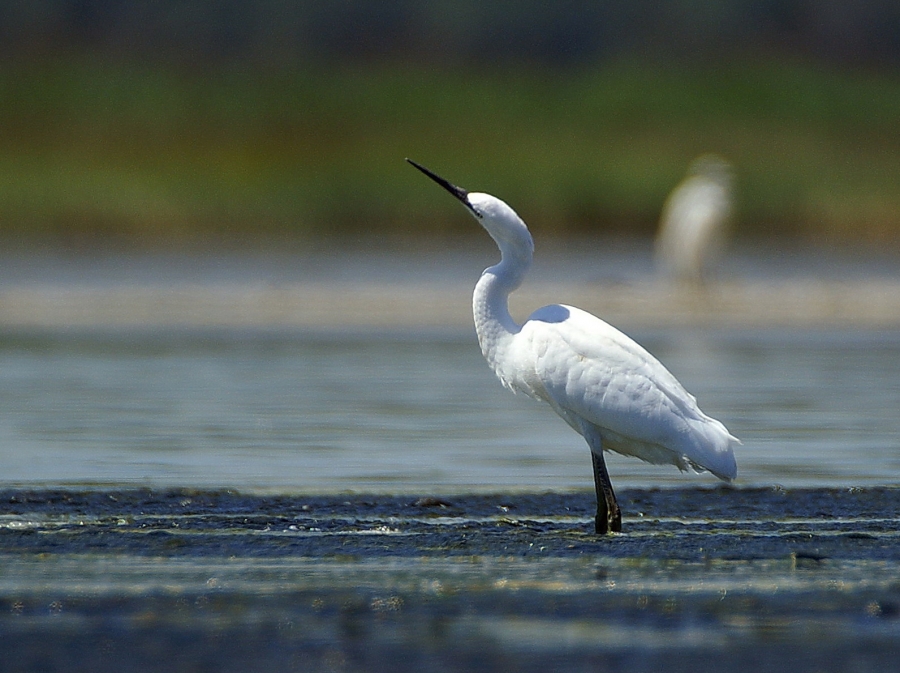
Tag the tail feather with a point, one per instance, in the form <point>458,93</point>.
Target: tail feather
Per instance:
<point>714,449</point>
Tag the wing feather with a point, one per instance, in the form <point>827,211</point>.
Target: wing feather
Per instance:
<point>589,371</point>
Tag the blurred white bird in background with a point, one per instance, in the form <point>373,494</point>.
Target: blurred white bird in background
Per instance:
<point>694,223</point>
<point>603,384</point>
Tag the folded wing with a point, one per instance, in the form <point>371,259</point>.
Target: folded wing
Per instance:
<point>589,371</point>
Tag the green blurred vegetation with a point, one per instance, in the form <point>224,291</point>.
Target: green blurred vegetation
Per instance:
<point>104,151</point>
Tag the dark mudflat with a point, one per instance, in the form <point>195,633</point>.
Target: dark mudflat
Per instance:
<point>720,579</point>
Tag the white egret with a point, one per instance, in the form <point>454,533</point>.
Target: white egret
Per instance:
<point>603,384</point>
<point>693,223</point>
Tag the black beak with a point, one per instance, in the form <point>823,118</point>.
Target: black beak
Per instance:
<point>458,192</point>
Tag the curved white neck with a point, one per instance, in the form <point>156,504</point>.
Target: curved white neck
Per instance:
<point>490,306</point>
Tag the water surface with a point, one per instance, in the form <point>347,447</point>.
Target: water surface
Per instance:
<point>417,411</point>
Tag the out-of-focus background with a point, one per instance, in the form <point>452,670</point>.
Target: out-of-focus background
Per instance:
<point>217,270</point>
<point>230,123</point>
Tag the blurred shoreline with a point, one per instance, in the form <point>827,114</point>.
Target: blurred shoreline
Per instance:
<point>409,288</point>
<point>865,303</point>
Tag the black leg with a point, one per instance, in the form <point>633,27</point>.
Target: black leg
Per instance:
<point>609,517</point>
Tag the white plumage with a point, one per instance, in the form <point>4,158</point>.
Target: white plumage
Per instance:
<point>694,220</point>
<point>601,382</point>
<point>589,371</point>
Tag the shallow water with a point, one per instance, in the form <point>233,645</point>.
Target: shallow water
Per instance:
<point>417,411</point>
<point>347,566</point>
<point>185,580</point>
<point>357,368</point>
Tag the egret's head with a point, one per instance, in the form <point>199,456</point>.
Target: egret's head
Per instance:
<point>500,221</point>
<point>713,167</point>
